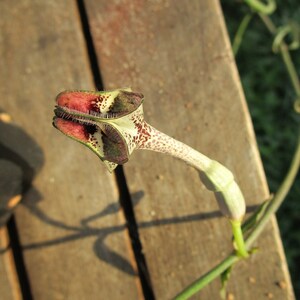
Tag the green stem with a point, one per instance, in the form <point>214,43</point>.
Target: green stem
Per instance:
<point>278,198</point>
<point>269,24</point>
<point>239,239</point>
<point>270,210</point>
<point>240,33</point>
<point>282,32</point>
<point>290,67</point>
<point>283,48</point>
<point>207,278</point>
<point>261,7</point>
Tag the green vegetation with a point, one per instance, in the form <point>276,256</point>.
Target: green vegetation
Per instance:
<point>271,97</point>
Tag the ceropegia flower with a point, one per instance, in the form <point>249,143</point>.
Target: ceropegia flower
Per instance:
<point>112,124</point>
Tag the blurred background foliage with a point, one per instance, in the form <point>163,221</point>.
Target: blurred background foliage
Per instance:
<point>270,98</point>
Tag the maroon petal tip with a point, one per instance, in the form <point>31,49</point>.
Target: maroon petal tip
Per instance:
<point>80,101</point>
<point>75,130</point>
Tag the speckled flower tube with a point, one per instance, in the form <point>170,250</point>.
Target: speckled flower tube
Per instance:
<point>112,125</point>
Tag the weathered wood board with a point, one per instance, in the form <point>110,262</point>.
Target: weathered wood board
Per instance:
<point>9,286</point>
<point>178,54</point>
<point>10,195</point>
<point>74,240</point>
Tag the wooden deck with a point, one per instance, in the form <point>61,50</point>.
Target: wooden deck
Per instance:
<point>72,230</point>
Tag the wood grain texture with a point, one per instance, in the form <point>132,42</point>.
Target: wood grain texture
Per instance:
<point>177,53</point>
<point>72,232</point>
<point>9,285</point>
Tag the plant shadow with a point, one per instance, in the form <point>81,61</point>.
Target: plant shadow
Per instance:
<point>100,247</point>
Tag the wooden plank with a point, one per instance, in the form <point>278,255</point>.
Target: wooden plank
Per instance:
<point>177,53</point>
<point>72,231</point>
<point>9,285</point>
<point>10,195</point>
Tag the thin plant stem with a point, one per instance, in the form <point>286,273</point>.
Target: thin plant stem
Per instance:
<point>278,198</point>
<point>268,22</point>
<point>240,33</point>
<point>207,278</point>
<point>290,67</point>
<point>239,238</point>
<point>261,7</point>
<point>284,51</point>
<point>270,210</point>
